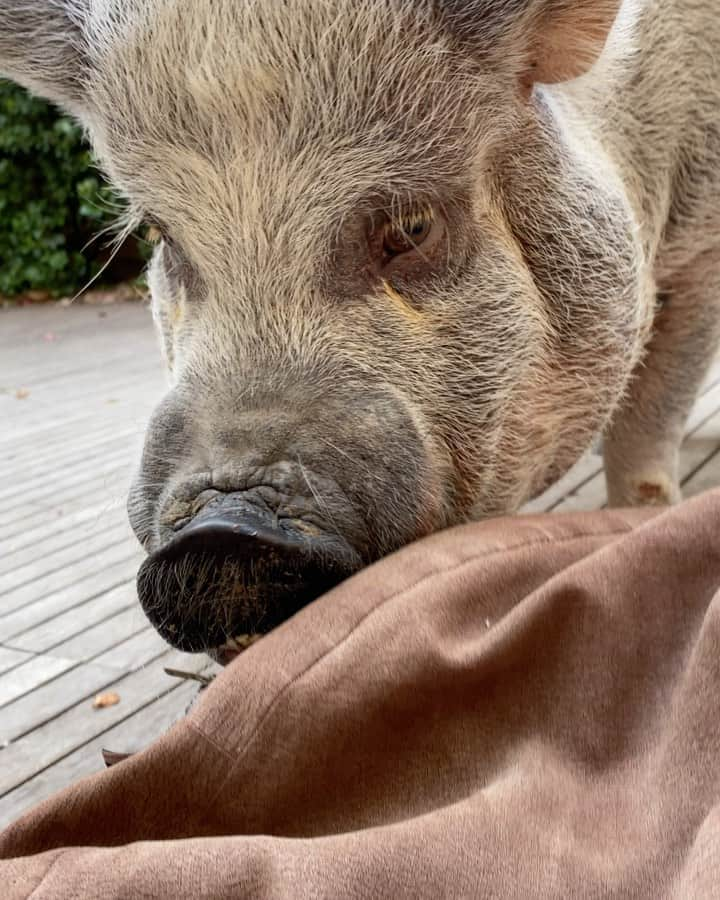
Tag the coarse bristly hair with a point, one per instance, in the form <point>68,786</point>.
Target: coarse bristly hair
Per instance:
<point>268,141</point>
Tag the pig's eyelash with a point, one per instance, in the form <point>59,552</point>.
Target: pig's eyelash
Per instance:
<point>406,215</point>
<point>401,211</point>
<point>410,220</point>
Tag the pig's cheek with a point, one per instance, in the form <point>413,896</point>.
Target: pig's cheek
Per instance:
<point>164,329</point>
<point>177,314</point>
<point>168,314</point>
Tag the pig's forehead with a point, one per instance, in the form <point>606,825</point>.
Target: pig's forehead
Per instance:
<point>347,93</point>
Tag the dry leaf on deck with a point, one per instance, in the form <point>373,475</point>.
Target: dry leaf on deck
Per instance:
<point>112,759</point>
<point>103,700</point>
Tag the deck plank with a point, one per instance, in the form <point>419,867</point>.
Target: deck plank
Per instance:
<point>61,525</point>
<point>79,461</point>
<point>84,415</point>
<point>32,591</point>
<point>58,541</point>
<point>128,736</point>
<point>52,561</point>
<point>48,634</point>
<point>79,724</point>
<point>78,682</point>
<point>19,619</point>
<point>89,642</point>
<point>10,658</point>
<point>45,493</point>
<point>111,485</point>
<point>25,678</point>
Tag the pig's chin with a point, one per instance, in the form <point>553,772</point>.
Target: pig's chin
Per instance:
<point>227,600</point>
<point>224,579</point>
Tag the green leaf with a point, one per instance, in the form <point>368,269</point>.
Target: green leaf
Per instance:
<point>53,200</point>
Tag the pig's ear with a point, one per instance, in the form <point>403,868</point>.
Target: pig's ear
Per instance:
<point>546,40</point>
<point>567,37</point>
<point>41,48</point>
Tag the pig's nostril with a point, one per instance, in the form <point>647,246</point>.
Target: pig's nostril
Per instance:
<point>204,499</point>
<point>222,536</point>
<point>235,568</point>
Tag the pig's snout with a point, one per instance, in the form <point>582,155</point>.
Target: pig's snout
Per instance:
<point>250,515</point>
<point>238,568</point>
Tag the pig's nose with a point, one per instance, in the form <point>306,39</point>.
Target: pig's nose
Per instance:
<point>231,533</point>
<point>237,569</point>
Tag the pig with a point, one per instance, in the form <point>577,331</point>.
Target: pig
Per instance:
<point>413,257</point>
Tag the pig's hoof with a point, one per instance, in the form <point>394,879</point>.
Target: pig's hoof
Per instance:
<point>652,493</point>
<point>656,490</point>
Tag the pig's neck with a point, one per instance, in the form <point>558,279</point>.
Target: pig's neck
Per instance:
<point>650,108</point>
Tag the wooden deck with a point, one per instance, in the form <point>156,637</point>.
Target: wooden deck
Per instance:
<point>76,388</point>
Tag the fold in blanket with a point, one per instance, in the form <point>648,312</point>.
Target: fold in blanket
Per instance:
<point>525,708</point>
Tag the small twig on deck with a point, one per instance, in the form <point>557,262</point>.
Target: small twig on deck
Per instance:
<point>190,676</point>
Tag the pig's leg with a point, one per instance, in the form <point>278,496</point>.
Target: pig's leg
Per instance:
<point>641,448</point>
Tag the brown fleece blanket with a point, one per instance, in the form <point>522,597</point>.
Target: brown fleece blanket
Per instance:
<point>520,708</point>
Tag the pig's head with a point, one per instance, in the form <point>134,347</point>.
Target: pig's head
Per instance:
<point>395,291</point>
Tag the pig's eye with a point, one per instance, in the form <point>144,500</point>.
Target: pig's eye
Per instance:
<point>408,234</point>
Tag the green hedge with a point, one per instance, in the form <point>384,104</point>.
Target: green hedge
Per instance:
<point>52,200</point>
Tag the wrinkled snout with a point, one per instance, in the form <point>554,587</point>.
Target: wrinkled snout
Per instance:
<point>250,511</point>
<point>238,568</point>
